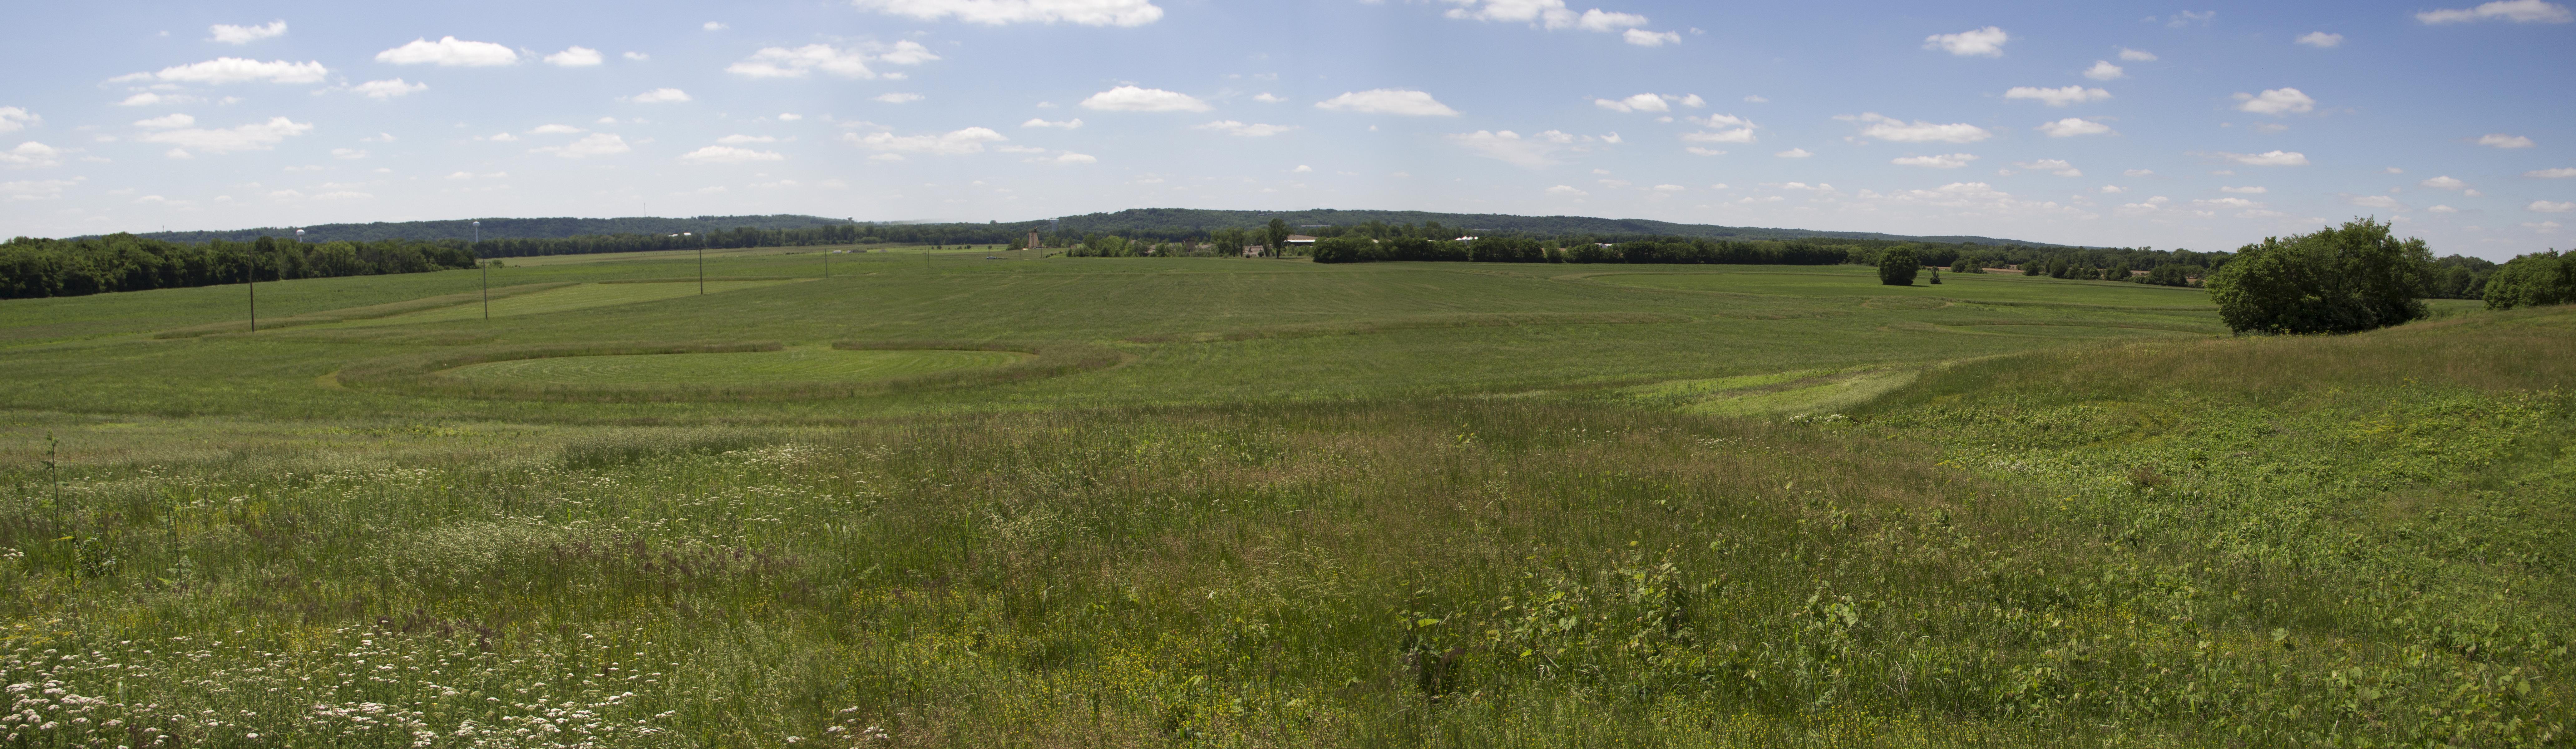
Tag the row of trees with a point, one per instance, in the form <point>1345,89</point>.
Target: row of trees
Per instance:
<point>32,268</point>
<point>2531,280</point>
<point>2360,276</point>
<point>1358,248</point>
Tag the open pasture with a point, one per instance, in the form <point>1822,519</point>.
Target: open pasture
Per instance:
<point>1270,503</point>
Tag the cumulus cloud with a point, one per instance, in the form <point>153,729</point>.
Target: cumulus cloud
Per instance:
<point>1135,99</point>
<point>350,154</point>
<point>2137,55</point>
<point>388,89</point>
<point>1255,130</point>
<point>31,155</point>
<point>595,144</point>
<point>2276,101</point>
<point>2321,40</point>
<point>552,129</point>
<point>997,12</point>
<point>1795,153</point>
<point>1566,191</point>
<point>1534,151</point>
<point>1555,14</point>
<point>2381,202</point>
<point>1948,161</point>
<point>1640,103</point>
<point>2268,158</point>
<point>166,122</point>
<point>258,136</point>
<point>1388,101</point>
<point>2544,206</point>
<point>1985,42</point>
<point>738,138</point>
<point>230,34</point>
<point>1736,135</point>
<point>2245,190</point>
<point>729,155</point>
<point>47,189</point>
<point>449,52</point>
<point>2073,126</point>
<point>1269,98</point>
<point>14,119</point>
<point>783,62</point>
<point>2443,183</point>
<point>238,70</point>
<point>2103,70</point>
<point>2057,167</point>
<point>1644,38</point>
<point>1066,124</point>
<point>659,96</point>
<point>1888,128</point>
<point>2559,173</point>
<point>2058,97</point>
<point>2517,11</point>
<point>575,57</point>
<point>898,98</point>
<point>1068,158</point>
<point>2501,140</point>
<point>1698,151</point>
<point>951,143</point>
<point>2442,209</point>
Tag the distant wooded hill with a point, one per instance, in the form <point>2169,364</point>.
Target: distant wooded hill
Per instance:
<point>1148,222</point>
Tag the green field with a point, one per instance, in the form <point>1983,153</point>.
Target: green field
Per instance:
<point>1249,503</point>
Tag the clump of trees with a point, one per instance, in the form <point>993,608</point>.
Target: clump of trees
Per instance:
<point>32,268</point>
<point>1897,267</point>
<point>2336,280</point>
<point>2532,280</point>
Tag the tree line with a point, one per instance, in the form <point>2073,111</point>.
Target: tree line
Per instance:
<point>32,268</point>
<point>2360,276</point>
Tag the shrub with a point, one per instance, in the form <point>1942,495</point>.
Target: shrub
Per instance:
<point>2532,280</point>
<point>2337,280</point>
<point>1898,266</point>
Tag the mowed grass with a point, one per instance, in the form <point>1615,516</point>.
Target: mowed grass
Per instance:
<point>755,367</point>
<point>1963,287</point>
<point>1297,505</point>
<point>569,298</point>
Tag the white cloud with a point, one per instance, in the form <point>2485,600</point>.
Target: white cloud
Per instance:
<point>2137,55</point>
<point>1698,151</point>
<point>1069,158</point>
<point>1509,147</point>
<point>1071,124</point>
<point>637,56</point>
<point>1644,38</point>
<point>596,144</point>
<point>500,138</point>
<point>2544,227</point>
<point>378,138</point>
<point>954,142</point>
<point>1795,153</point>
<point>1135,99</point>
<point>2321,40</point>
<point>1949,161</point>
<point>449,52</point>
<point>2073,126</point>
<point>166,122</point>
<point>2276,101</point>
<point>252,137</point>
<point>551,129</point>
<point>350,154</point>
<point>782,62</point>
<point>1388,101</point>
<point>2559,173</point>
<point>2228,203</point>
<point>2517,11</point>
<point>2443,183</point>
<point>1985,42</point>
<point>2103,70</point>
<point>2381,202</point>
<point>1638,103</point>
<point>2544,206</point>
<point>2186,18</point>
<point>1755,99</point>
<point>238,70</point>
<point>2057,167</point>
<point>1256,130</point>
<point>1669,188</point>
<point>2245,190</point>
<point>730,155</point>
<point>2268,158</point>
<point>735,139</point>
<point>2442,209</point>
<point>14,119</point>
<point>2139,173</point>
<point>387,89</point>
<point>898,98</point>
<point>1737,135</point>
<point>230,34</point>
<point>1566,191</point>
<point>907,52</point>
<point>35,189</point>
<point>575,57</point>
<point>660,96</point>
<point>1269,98</point>
<point>1888,128</point>
<point>2501,140</point>
<point>2113,189</point>
<point>996,12</point>
<point>2058,97</point>
<point>714,26</point>
<point>30,155</point>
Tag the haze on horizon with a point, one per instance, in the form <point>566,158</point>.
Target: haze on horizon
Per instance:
<point>2101,124</point>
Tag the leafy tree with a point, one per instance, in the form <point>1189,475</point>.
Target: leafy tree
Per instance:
<point>2532,280</point>
<point>1898,266</point>
<point>2336,280</point>
<point>1278,233</point>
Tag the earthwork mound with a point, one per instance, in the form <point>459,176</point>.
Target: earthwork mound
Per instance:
<point>716,370</point>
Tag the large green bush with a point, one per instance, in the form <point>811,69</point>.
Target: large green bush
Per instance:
<point>2336,280</point>
<point>2532,280</point>
<point>1898,266</point>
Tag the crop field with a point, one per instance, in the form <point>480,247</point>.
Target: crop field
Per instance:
<point>941,500</point>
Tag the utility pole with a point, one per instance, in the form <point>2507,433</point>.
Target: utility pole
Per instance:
<point>251,271</point>
<point>487,273</point>
<point>702,266</point>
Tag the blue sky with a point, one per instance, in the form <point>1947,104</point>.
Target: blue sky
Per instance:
<point>2082,123</point>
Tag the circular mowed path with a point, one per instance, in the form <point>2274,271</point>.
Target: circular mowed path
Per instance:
<point>746,368</point>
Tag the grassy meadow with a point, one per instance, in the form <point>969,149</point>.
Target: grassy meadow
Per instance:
<point>940,500</point>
